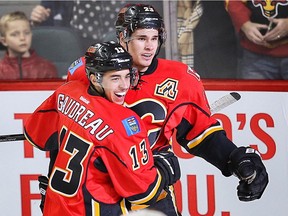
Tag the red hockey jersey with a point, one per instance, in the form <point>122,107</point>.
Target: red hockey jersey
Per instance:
<point>170,97</point>
<point>103,156</point>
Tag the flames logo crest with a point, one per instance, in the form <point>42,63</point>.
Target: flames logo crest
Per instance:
<point>269,7</point>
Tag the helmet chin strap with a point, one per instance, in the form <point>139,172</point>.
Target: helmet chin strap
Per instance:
<point>101,89</point>
<point>126,43</point>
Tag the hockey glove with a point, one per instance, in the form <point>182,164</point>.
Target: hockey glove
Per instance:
<point>43,184</point>
<point>168,165</point>
<point>246,164</point>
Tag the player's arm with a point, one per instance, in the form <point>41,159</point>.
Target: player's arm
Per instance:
<point>167,173</point>
<point>142,183</point>
<point>132,169</point>
<point>40,129</point>
<point>213,145</point>
<point>244,162</point>
<point>198,132</point>
<point>202,135</point>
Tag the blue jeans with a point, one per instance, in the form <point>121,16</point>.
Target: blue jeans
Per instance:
<point>256,66</point>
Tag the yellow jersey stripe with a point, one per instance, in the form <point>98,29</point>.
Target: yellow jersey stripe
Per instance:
<point>202,136</point>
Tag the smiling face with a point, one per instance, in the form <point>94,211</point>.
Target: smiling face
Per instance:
<point>142,46</point>
<point>115,85</point>
<point>17,38</point>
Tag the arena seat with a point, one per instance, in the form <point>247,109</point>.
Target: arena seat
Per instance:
<point>58,44</point>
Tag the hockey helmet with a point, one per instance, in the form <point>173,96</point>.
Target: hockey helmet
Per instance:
<point>109,56</point>
<point>139,16</point>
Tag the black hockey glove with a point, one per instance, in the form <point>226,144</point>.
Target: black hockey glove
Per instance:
<point>246,164</point>
<point>168,165</point>
<point>43,184</point>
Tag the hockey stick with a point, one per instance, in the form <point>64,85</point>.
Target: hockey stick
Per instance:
<point>224,101</point>
<point>12,137</point>
<point>216,106</point>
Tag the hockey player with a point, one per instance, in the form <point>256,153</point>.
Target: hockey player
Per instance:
<point>104,154</point>
<point>170,99</point>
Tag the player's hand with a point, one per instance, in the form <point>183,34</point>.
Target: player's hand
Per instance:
<point>246,164</point>
<point>168,165</point>
<point>43,184</point>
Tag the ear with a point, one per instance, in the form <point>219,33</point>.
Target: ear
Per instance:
<point>121,38</point>
<point>121,35</point>
<point>93,79</point>
<point>3,41</point>
<point>94,82</point>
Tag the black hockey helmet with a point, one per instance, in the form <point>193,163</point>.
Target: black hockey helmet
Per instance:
<point>108,56</point>
<point>139,16</point>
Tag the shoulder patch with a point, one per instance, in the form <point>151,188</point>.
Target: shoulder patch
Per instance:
<point>131,125</point>
<point>75,65</point>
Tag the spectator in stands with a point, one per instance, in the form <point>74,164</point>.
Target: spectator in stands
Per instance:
<point>20,61</point>
<point>188,16</point>
<point>93,20</point>
<point>215,42</point>
<point>263,34</point>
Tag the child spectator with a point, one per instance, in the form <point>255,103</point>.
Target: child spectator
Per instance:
<point>20,61</point>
